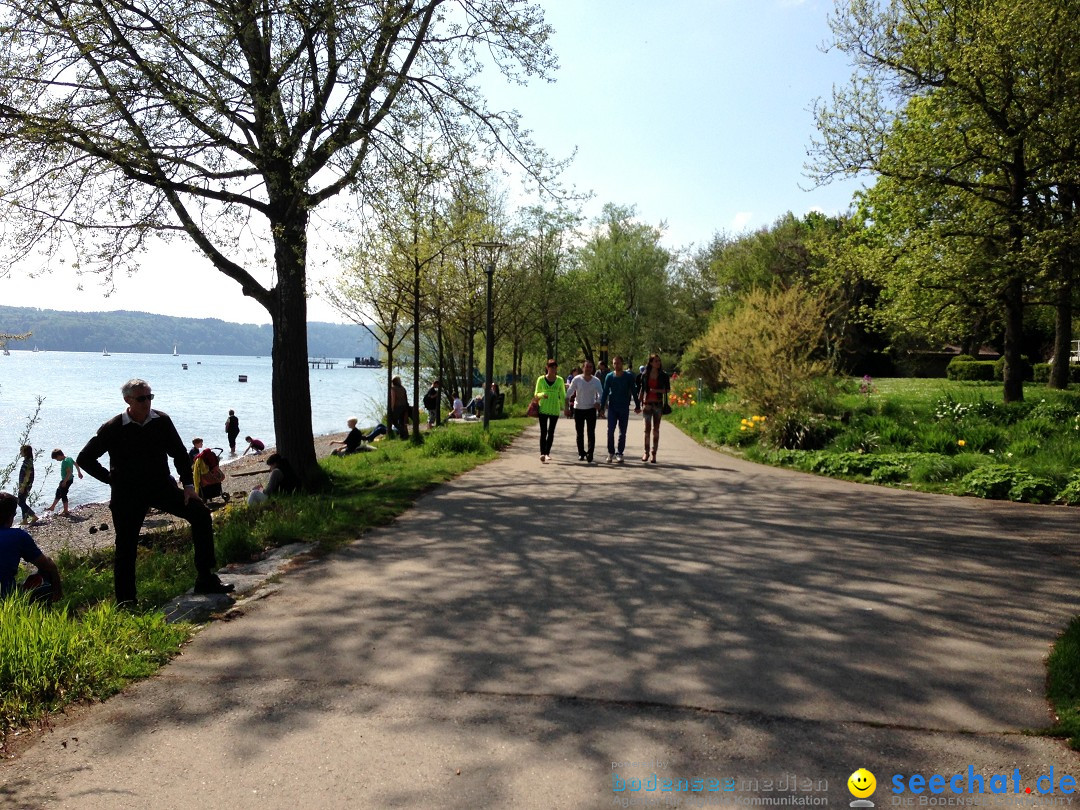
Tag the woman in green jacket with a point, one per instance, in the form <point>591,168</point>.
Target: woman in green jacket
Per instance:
<point>551,394</point>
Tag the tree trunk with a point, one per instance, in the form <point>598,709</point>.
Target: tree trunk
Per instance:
<point>1014,329</point>
<point>1063,312</point>
<point>290,384</point>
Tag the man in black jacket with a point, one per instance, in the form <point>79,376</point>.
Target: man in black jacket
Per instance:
<point>140,442</point>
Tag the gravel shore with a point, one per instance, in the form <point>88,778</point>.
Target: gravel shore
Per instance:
<point>89,526</point>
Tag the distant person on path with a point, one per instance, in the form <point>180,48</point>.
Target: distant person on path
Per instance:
<point>15,545</point>
<point>196,448</point>
<point>26,485</point>
<point>352,441</point>
<point>619,388</point>
<point>550,391</point>
<point>282,480</point>
<point>232,430</point>
<point>140,441</point>
<point>432,401</point>
<point>68,468</point>
<point>255,446</point>
<point>585,392</point>
<point>652,394</point>
<point>399,408</point>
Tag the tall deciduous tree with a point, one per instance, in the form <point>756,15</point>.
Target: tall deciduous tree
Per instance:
<point>960,97</point>
<point>231,122</point>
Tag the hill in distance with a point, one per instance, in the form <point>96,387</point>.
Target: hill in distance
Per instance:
<point>143,332</point>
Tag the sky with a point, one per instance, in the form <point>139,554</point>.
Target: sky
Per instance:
<point>695,112</point>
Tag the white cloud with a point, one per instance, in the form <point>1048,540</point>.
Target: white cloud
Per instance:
<point>741,220</point>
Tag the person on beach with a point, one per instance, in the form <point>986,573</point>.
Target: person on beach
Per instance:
<point>399,408</point>
<point>584,396</point>
<point>255,446</point>
<point>26,485</point>
<point>352,441</point>
<point>140,441</point>
<point>282,480</point>
<point>68,468</point>
<point>196,448</point>
<point>619,389</point>
<point>652,394</point>
<point>232,430</point>
<point>15,545</point>
<point>550,392</point>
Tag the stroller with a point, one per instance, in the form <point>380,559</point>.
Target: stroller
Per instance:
<point>208,473</point>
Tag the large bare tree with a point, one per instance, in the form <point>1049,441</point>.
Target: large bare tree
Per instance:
<point>231,122</point>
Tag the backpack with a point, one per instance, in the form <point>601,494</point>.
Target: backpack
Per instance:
<point>431,399</point>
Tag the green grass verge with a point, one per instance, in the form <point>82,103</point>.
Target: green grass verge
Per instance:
<point>1063,683</point>
<point>83,648</point>
<point>935,435</point>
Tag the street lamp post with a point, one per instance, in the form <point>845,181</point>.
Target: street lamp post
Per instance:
<point>492,250</point>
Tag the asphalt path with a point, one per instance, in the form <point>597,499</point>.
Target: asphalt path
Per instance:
<point>538,635</point>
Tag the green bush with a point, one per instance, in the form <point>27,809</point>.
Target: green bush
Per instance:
<point>933,469</point>
<point>453,441</point>
<point>941,439</point>
<point>992,481</point>
<point>971,370</point>
<point>798,430</point>
<point>1070,493</point>
<point>963,358</point>
<point>1002,482</point>
<point>1026,371</point>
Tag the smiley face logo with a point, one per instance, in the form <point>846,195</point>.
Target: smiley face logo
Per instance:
<point>861,783</point>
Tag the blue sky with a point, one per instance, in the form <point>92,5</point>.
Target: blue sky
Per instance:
<point>697,112</point>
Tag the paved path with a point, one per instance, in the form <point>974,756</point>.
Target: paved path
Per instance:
<point>527,626</point>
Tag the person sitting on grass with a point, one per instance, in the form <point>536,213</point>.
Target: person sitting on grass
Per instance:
<point>282,480</point>
<point>352,441</point>
<point>15,545</point>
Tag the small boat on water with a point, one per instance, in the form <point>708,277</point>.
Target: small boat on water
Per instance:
<point>365,362</point>
<point>103,354</point>
<point>175,353</point>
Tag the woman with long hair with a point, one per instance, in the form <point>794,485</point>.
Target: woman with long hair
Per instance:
<point>652,394</point>
<point>550,394</point>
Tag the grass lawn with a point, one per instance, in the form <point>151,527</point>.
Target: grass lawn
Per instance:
<point>84,648</point>
<point>933,435</point>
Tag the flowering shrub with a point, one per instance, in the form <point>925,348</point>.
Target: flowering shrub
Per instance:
<point>682,395</point>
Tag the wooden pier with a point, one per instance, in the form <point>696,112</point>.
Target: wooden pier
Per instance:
<point>321,362</point>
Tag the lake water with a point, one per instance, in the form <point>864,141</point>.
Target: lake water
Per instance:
<point>82,390</point>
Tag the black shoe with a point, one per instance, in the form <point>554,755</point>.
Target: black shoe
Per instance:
<point>581,458</point>
<point>213,585</point>
<point>588,458</point>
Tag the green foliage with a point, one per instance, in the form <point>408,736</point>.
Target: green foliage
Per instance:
<point>1027,373</point>
<point>49,658</point>
<point>771,350</point>
<point>798,429</point>
<point>973,370</point>
<point>1070,493</point>
<point>1063,683</point>
<point>1006,482</point>
<point>454,441</point>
